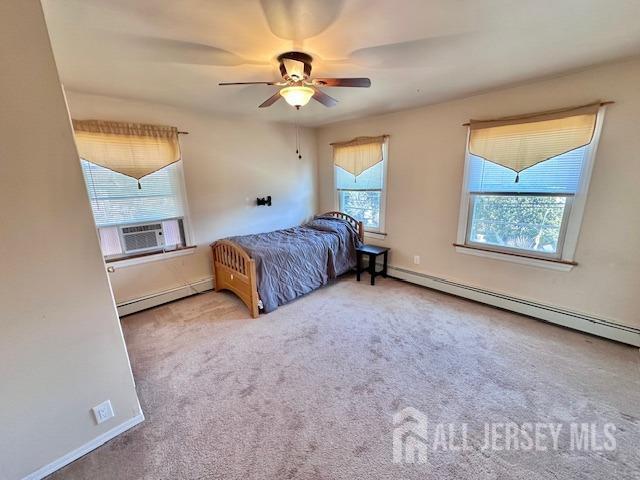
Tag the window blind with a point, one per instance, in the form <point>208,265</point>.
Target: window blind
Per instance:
<point>559,174</point>
<point>133,149</point>
<point>359,154</point>
<point>116,199</point>
<point>521,142</point>
<point>370,179</point>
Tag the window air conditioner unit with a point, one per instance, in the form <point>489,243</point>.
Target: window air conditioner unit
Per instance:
<point>143,237</point>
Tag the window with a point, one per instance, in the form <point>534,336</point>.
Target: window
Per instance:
<point>132,220</point>
<point>363,196</point>
<point>535,212</point>
<point>133,174</point>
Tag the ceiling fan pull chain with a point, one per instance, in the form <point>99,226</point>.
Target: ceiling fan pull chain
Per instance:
<point>298,139</point>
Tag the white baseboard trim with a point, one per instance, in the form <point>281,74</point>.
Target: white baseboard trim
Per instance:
<point>577,321</point>
<point>155,299</point>
<point>84,449</point>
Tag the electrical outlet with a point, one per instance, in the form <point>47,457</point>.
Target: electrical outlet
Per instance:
<point>416,259</point>
<point>103,412</point>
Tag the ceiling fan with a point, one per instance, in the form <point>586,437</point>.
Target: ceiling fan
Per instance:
<point>298,86</point>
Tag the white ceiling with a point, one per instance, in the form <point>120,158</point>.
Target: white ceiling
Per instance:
<point>415,51</point>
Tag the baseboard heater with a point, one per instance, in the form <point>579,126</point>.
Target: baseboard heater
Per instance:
<point>155,299</point>
<point>577,321</point>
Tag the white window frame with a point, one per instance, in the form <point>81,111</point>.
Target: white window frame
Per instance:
<point>189,238</point>
<point>372,232</point>
<point>562,260</point>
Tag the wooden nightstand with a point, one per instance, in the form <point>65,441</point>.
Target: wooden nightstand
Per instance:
<point>372,251</point>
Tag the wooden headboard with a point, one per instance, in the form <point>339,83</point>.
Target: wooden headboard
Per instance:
<point>359,226</point>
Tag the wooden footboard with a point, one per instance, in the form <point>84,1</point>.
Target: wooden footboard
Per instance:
<point>235,270</point>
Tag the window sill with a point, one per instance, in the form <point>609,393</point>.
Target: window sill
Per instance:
<point>375,235</point>
<point>148,258</point>
<point>558,265</point>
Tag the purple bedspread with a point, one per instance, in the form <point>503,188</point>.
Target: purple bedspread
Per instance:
<point>295,261</point>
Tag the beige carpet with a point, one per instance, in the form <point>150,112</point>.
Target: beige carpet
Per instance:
<point>308,391</point>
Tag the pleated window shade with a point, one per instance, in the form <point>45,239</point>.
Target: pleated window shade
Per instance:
<point>116,199</point>
<point>521,142</point>
<point>134,150</point>
<point>359,154</point>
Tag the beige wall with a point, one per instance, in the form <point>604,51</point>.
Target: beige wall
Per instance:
<point>426,159</point>
<point>227,163</point>
<point>61,347</point>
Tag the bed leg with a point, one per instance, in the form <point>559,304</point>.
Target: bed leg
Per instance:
<point>255,311</point>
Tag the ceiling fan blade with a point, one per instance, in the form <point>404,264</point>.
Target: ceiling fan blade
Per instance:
<point>247,83</point>
<point>343,82</point>
<point>323,98</point>
<point>271,100</point>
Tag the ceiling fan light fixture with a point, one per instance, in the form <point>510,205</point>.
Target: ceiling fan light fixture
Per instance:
<point>299,86</point>
<point>297,96</point>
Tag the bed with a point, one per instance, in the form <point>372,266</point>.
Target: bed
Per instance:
<point>270,269</point>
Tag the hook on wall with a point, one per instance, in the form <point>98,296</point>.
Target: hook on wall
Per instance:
<point>264,201</point>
